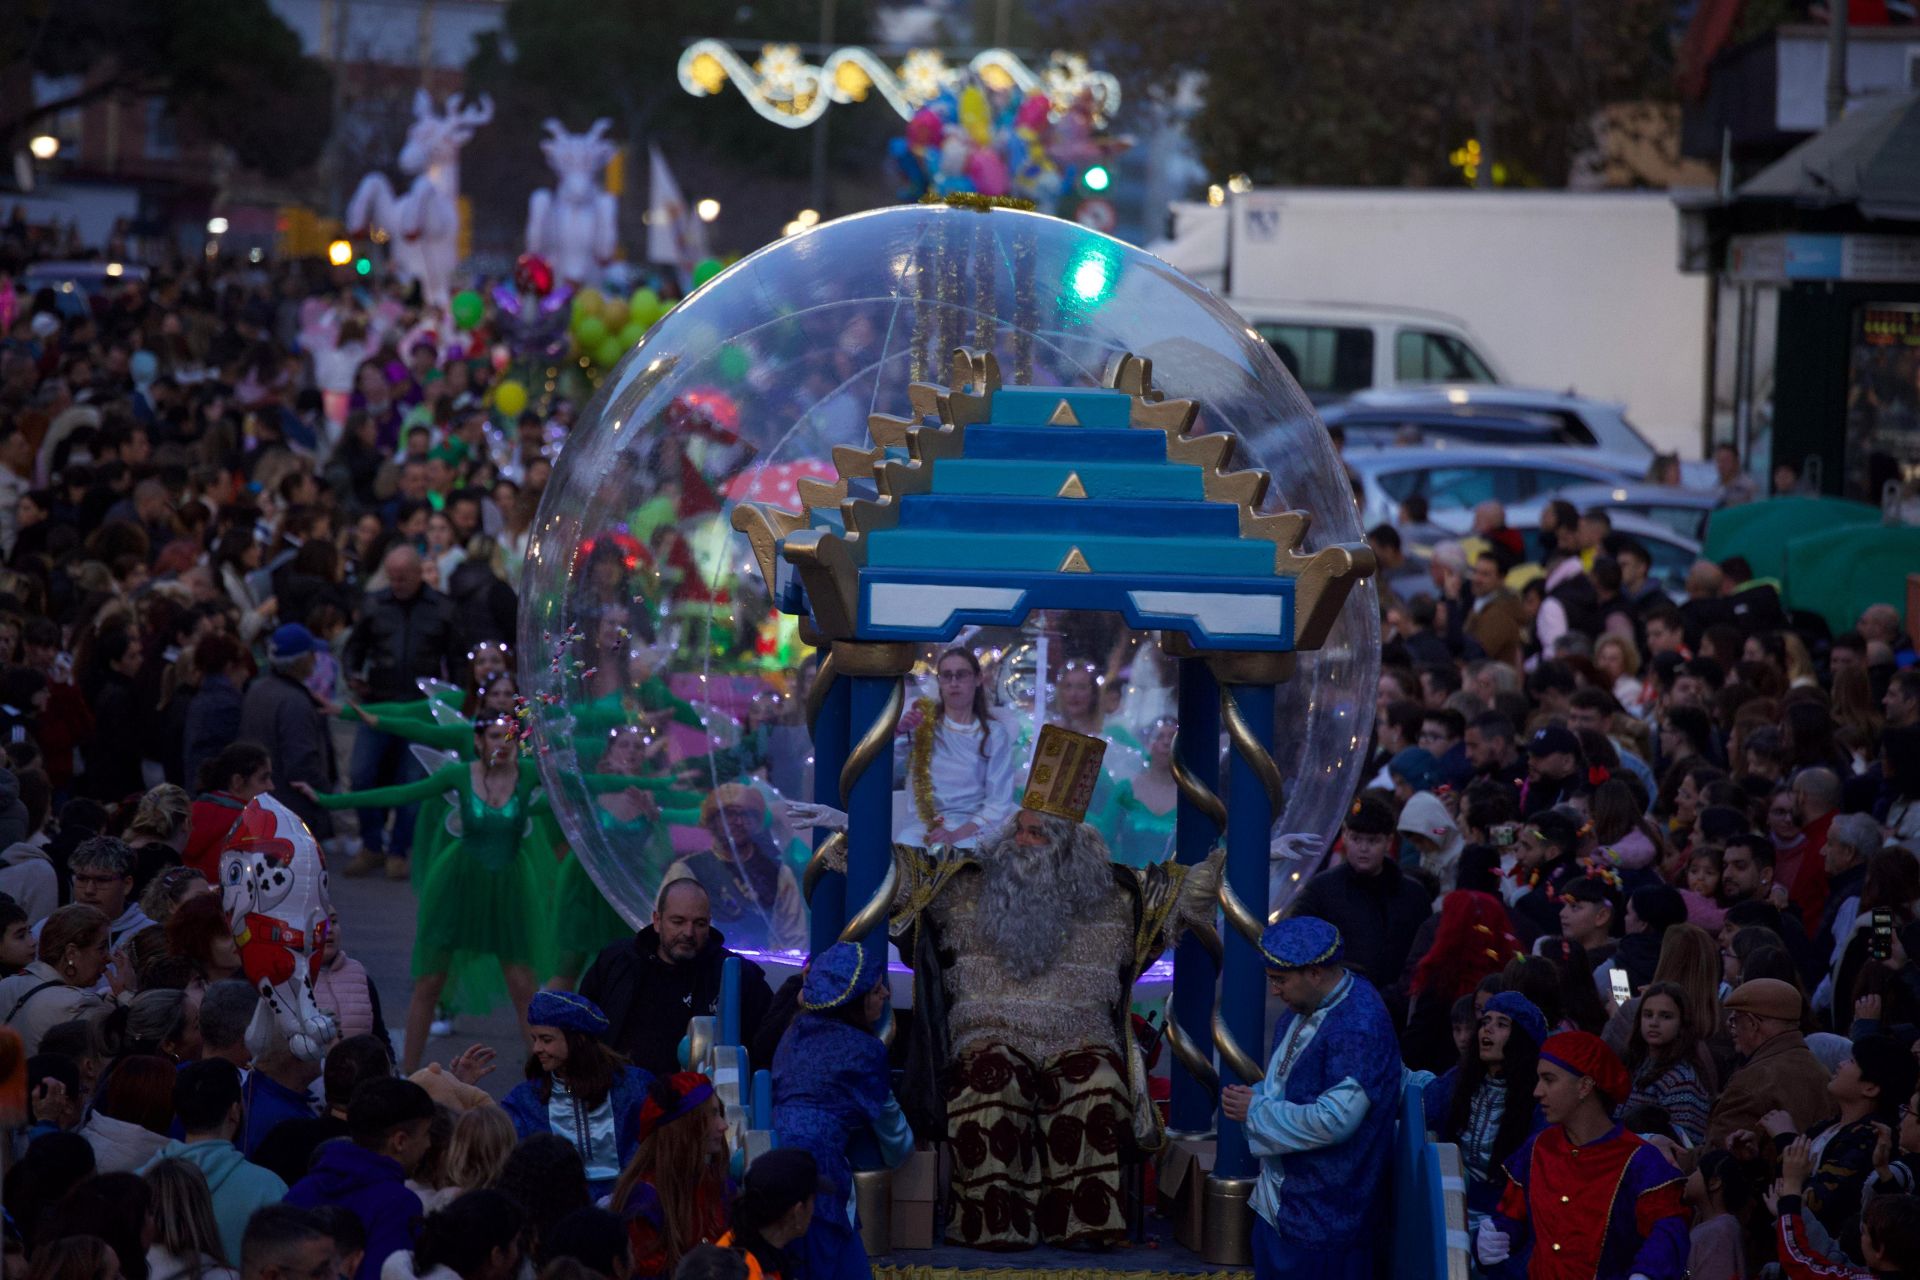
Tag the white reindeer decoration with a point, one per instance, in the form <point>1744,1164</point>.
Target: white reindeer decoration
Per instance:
<point>425,223</point>
<point>572,226</point>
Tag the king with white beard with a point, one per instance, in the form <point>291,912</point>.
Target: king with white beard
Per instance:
<point>1025,951</point>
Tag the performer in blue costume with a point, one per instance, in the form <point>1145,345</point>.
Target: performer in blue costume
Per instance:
<point>1586,1199</point>
<point>830,1097</point>
<point>578,1088</point>
<point>1322,1119</point>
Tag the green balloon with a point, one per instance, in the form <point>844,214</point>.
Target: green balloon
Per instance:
<point>467,309</point>
<point>706,270</point>
<point>644,305</point>
<point>608,353</point>
<point>732,363</point>
<point>631,333</point>
<point>591,330</point>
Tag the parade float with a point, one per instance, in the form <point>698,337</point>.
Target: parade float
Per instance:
<point>944,426</point>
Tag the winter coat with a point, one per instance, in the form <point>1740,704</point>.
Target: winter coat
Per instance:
<point>1376,915</point>
<point>162,1265</point>
<point>31,1006</point>
<point>120,1146</point>
<point>398,641</point>
<point>343,989</point>
<point>27,876</point>
<point>213,724</point>
<point>1782,1073</point>
<point>374,1188</point>
<point>1426,816</point>
<point>648,1002</point>
<point>279,714</point>
<point>238,1185</point>
<point>484,607</point>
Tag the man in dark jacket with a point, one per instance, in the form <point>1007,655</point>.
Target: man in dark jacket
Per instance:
<point>406,633</point>
<point>388,1121</point>
<point>281,714</point>
<point>1367,898</point>
<point>666,975</point>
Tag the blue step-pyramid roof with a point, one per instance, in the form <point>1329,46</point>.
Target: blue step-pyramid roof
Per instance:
<point>993,501</point>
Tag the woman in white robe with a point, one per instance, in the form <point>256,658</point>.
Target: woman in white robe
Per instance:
<point>956,761</point>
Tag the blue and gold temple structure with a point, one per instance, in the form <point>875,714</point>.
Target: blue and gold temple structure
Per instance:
<point>992,501</point>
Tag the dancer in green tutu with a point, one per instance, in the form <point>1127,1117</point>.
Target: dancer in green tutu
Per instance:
<point>635,821</point>
<point>482,896</point>
<point>1139,819</point>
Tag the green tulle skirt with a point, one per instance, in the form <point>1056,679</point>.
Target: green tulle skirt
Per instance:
<point>478,911</point>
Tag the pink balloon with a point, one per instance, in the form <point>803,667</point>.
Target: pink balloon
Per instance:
<point>987,169</point>
<point>1032,113</point>
<point>924,129</point>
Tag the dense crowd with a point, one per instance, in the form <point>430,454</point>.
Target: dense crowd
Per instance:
<point>1628,873</point>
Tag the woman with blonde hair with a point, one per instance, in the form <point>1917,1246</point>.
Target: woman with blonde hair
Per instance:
<point>186,1238</point>
<point>483,1138</point>
<point>74,1258</point>
<point>1617,658</point>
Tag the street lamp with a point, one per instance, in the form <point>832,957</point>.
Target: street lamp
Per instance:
<point>44,146</point>
<point>216,226</point>
<point>340,253</point>
<point>707,209</point>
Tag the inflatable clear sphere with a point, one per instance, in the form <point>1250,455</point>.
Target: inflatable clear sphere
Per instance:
<point>667,697</point>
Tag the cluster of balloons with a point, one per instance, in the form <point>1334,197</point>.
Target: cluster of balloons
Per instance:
<point>1000,144</point>
<point>606,328</point>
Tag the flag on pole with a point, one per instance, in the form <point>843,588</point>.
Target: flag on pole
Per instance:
<point>675,235</point>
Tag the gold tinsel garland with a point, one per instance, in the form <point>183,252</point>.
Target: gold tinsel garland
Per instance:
<point>920,762</point>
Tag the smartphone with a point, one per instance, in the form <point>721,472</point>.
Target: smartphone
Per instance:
<point>1622,990</point>
<point>1503,835</point>
<point>1880,935</point>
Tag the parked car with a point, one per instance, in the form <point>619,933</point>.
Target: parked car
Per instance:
<point>1454,480</point>
<point>1683,512</point>
<point>1673,553</point>
<point>75,283</point>
<point>1335,349</point>
<point>1513,416</point>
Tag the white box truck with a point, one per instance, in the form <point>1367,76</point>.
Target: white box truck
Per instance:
<point>1561,290</point>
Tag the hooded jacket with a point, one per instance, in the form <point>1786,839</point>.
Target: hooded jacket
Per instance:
<point>1427,817</point>
<point>649,1002</point>
<point>119,1146</point>
<point>27,876</point>
<point>374,1188</point>
<point>238,1185</point>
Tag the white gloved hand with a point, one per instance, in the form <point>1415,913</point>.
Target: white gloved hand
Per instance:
<point>816,815</point>
<point>1295,847</point>
<point>1491,1245</point>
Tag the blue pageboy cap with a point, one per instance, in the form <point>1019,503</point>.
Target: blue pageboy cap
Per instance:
<point>838,976</point>
<point>1522,1013</point>
<point>567,1011</point>
<point>1300,941</point>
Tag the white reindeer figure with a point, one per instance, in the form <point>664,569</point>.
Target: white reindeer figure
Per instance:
<point>572,226</point>
<point>425,223</point>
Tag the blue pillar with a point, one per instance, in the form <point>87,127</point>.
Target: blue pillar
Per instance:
<point>1243,983</point>
<point>828,906</point>
<point>1198,750</point>
<point>870,808</point>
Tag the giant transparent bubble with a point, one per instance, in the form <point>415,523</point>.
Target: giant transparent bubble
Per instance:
<point>651,648</point>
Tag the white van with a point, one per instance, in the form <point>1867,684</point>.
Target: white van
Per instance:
<point>1335,349</point>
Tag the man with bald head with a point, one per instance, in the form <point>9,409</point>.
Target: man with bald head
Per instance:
<point>405,633</point>
<point>651,984</point>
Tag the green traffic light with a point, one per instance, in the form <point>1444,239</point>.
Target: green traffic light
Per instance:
<point>363,267</point>
<point>1097,178</point>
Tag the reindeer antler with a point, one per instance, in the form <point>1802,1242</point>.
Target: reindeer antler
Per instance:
<point>479,114</point>
<point>598,129</point>
<point>554,127</point>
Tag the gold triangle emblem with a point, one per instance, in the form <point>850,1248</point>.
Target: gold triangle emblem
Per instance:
<point>1072,488</point>
<point>1063,415</point>
<point>1074,563</point>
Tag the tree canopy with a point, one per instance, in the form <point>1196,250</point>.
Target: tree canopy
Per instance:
<point>1330,92</point>
<point>231,67</point>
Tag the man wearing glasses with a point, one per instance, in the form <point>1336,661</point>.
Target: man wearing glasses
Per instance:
<point>102,869</point>
<point>1778,1071</point>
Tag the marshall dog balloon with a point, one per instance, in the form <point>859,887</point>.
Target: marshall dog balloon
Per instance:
<point>273,882</point>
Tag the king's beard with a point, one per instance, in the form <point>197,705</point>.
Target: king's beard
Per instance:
<point>1031,897</point>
